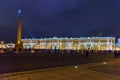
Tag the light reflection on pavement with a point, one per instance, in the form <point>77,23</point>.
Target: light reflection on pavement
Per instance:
<point>91,71</point>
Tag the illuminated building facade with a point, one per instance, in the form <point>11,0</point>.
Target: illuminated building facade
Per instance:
<point>6,45</point>
<point>82,43</point>
<point>2,45</point>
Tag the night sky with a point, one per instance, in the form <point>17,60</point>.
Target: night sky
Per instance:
<point>62,18</point>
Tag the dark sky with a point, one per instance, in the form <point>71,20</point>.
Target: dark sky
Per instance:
<point>62,18</point>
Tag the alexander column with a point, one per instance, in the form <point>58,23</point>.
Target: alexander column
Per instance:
<point>19,44</point>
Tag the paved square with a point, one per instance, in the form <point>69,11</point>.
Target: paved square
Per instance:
<point>94,71</point>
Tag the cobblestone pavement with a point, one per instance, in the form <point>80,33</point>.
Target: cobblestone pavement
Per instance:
<point>92,71</point>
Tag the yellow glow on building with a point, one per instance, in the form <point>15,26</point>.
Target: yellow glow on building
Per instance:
<point>82,43</point>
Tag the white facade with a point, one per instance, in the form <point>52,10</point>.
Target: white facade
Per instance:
<point>82,43</point>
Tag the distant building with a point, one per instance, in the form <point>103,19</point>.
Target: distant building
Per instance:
<point>118,42</point>
<point>6,45</point>
<point>2,45</point>
<point>82,43</point>
<point>10,45</point>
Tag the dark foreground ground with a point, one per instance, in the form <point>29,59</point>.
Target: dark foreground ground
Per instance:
<point>23,62</point>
